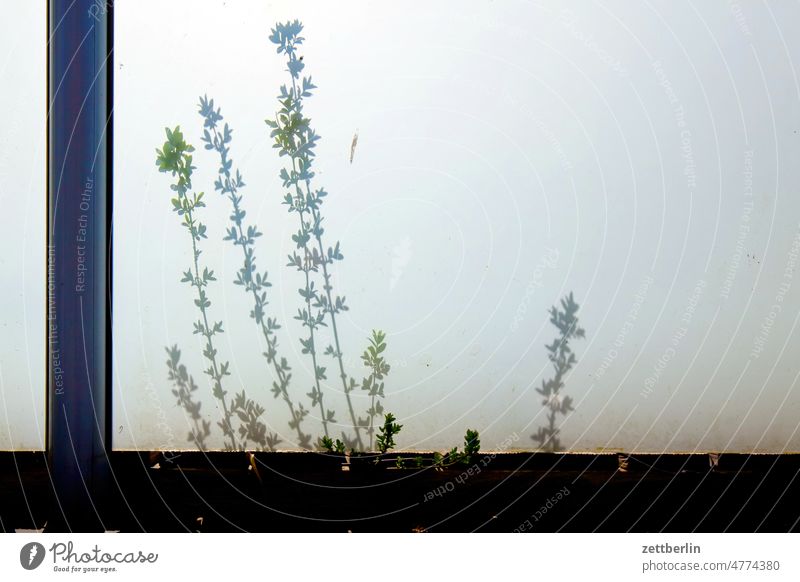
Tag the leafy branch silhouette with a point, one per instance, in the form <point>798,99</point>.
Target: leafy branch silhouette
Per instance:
<point>563,359</point>
<point>229,183</point>
<point>175,158</point>
<point>295,138</point>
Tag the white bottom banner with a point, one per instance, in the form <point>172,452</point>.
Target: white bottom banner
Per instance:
<point>389,557</point>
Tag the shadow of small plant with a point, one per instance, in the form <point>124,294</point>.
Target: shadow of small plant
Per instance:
<point>183,391</point>
<point>563,359</point>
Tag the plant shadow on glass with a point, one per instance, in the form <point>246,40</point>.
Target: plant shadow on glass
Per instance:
<point>313,258</point>
<point>241,423</point>
<point>175,158</point>
<point>563,359</point>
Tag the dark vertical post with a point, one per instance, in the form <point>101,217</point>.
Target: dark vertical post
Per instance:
<point>76,261</point>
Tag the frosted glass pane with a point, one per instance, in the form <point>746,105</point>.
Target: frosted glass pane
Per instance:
<point>633,166</point>
<point>23,101</point>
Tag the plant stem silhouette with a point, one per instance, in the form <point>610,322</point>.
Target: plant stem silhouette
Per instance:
<point>176,158</point>
<point>294,137</point>
<point>563,359</point>
<point>229,183</point>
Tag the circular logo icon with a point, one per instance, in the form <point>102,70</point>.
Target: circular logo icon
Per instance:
<point>31,555</point>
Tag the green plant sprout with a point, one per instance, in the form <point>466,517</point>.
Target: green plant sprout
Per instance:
<point>331,447</point>
<point>563,359</point>
<point>373,383</point>
<point>472,446</point>
<point>387,432</point>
